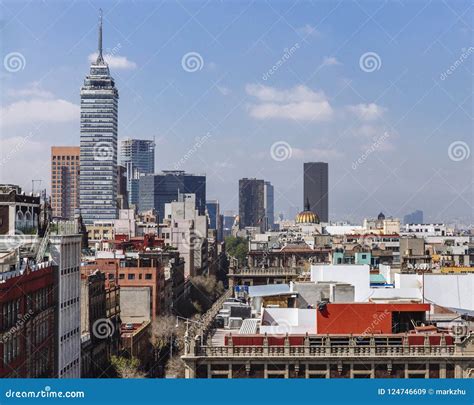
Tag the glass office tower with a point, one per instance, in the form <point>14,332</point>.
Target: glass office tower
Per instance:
<point>98,168</point>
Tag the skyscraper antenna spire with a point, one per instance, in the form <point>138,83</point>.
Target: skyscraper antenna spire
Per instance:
<point>100,59</point>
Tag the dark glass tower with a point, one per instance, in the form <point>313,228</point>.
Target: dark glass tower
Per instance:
<point>158,189</point>
<point>316,190</point>
<point>251,203</point>
<point>138,157</point>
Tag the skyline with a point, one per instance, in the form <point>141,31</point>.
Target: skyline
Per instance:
<point>396,101</point>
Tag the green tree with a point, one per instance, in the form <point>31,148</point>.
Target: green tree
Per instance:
<point>237,247</point>
<point>127,368</point>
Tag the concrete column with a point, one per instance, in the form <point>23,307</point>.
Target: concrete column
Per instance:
<point>230,371</point>
<point>458,371</point>
<point>406,370</point>
<point>190,371</point>
<point>442,370</point>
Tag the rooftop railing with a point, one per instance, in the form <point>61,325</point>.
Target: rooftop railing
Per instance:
<point>266,271</point>
<point>307,351</point>
<point>459,347</point>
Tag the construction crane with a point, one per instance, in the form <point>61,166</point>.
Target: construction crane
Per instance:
<point>33,185</point>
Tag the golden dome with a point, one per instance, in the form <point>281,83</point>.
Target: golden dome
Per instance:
<point>307,217</point>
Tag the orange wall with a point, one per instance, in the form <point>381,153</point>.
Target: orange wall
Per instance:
<point>361,318</point>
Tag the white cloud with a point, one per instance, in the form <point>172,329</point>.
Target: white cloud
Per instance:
<point>22,158</point>
<point>367,112</point>
<point>308,30</point>
<point>32,90</point>
<point>298,103</point>
<point>330,61</point>
<point>366,131</point>
<point>37,111</point>
<point>115,61</point>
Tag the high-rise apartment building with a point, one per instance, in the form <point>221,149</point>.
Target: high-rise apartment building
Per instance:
<point>65,253</point>
<point>159,189</point>
<point>316,189</point>
<point>65,169</point>
<point>269,206</point>
<point>138,157</point>
<point>99,120</point>
<point>251,203</point>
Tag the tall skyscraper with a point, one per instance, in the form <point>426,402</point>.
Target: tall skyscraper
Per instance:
<point>269,206</point>
<point>99,121</point>
<point>156,190</point>
<point>215,217</point>
<point>251,203</point>
<point>316,189</point>
<point>138,157</point>
<point>65,180</point>
<point>212,208</point>
<point>416,217</point>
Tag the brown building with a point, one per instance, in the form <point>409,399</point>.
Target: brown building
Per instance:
<point>27,321</point>
<point>100,324</point>
<point>65,180</point>
<point>161,272</point>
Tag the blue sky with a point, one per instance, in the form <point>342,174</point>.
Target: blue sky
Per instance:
<point>397,134</point>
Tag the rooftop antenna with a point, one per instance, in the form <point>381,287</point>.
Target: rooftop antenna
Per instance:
<point>100,59</point>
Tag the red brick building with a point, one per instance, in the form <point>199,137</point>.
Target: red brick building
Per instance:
<point>27,322</point>
<point>161,272</point>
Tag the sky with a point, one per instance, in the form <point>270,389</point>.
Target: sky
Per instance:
<point>381,90</point>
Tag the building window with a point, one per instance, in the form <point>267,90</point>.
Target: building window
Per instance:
<point>148,276</point>
<point>131,276</point>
